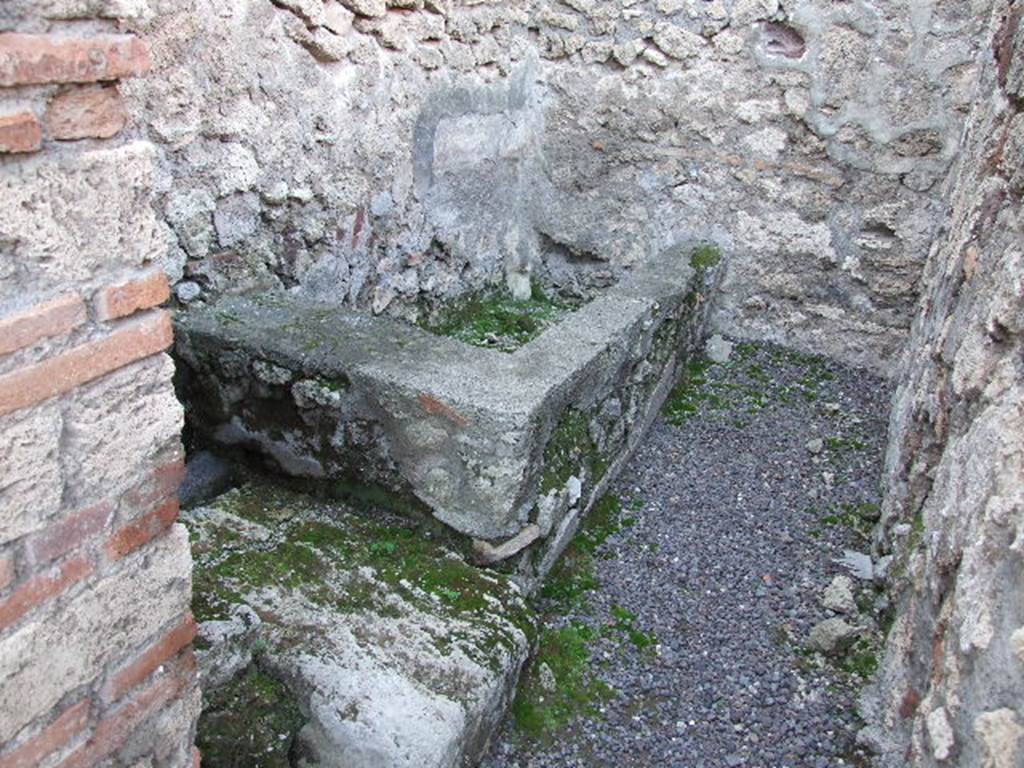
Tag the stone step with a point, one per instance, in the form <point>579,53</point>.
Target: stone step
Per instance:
<point>329,638</point>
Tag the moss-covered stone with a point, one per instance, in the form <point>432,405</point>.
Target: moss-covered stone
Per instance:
<point>571,450</point>
<point>250,723</point>
<point>559,684</point>
<point>497,321</point>
<point>267,537</point>
<point>705,257</point>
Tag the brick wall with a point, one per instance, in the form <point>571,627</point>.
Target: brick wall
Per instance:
<point>96,665</point>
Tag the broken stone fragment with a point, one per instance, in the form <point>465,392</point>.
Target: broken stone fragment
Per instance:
<point>838,596</point>
<point>224,648</point>
<point>858,564</point>
<point>815,446</point>
<point>487,554</point>
<point>718,349</point>
<point>831,635</point>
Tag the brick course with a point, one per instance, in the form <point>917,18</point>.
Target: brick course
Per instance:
<point>143,530</point>
<point>45,59</point>
<point>59,733</point>
<point>164,649</point>
<point>72,532</point>
<point>115,729</point>
<point>50,318</point>
<point>41,588</point>
<point>127,298</point>
<point>82,364</point>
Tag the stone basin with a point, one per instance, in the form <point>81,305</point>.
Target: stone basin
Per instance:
<point>507,449</point>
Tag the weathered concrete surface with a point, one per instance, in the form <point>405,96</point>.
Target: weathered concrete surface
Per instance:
<point>390,153</point>
<point>398,652</point>
<point>491,443</point>
<point>949,692</point>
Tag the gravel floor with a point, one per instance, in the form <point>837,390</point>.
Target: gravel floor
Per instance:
<point>737,519</point>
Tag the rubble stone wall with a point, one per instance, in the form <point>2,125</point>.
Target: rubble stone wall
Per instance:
<point>96,665</point>
<point>391,152</point>
<point>949,689</point>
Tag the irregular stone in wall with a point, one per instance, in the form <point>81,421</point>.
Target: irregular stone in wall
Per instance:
<point>190,213</point>
<point>782,40</point>
<point>370,8</point>
<point>1002,736</point>
<point>91,9</point>
<point>677,42</point>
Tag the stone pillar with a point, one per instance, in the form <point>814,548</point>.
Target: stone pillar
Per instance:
<point>96,664</point>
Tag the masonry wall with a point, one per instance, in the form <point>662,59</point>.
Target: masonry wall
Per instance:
<point>949,692</point>
<point>388,153</point>
<point>96,667</point>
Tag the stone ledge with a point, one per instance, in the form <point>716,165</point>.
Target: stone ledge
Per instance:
<point>491,443</point>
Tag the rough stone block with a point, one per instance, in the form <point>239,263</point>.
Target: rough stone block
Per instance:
<point>117,427</point>
<point>31,480</point>
<point>69,645</point>
<point>401,653</point>
<point>74,218</point>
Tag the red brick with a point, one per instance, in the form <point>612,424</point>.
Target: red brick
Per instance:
<point>20,133</point>
<point>169,646</point>
<point>49,318</point>
<point>86,113</point>
<point>61,538</point>
<point>41,588</point>
<point>84,363</point>
<point>115,729</point>
<point>42,59</point>
<point>143,530</point>
<point>163,483</point>
<point>57,734</point>
<point>127,298</point>
<point>7,570</point>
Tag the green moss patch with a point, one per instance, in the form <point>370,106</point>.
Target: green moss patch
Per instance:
<point>858,518</point>
<point>497,321</point>
<point>562,682</point>
<point>250,723</point>
<point>571,450</point>
<point>559,684</point>
<point>705,257</point>
<point>744,386</point>
<point>265,537</point>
